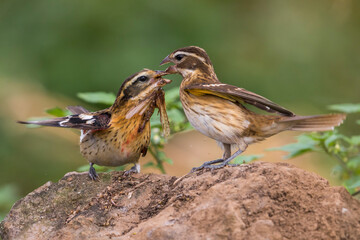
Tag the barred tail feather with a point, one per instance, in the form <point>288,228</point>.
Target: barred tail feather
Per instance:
<point>315,123</point>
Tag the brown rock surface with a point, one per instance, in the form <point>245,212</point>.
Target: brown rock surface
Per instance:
<point>255,201</point>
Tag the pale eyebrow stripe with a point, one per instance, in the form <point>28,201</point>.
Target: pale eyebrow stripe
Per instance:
<point>190,54</point>
<point>134,78</point>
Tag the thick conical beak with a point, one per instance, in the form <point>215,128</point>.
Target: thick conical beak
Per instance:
<point>165,60</point>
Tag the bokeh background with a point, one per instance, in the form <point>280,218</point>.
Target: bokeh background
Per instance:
<point>304,55</point>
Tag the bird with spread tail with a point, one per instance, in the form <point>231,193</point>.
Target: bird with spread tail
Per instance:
<point>217,110</point>
<point>121,133</point>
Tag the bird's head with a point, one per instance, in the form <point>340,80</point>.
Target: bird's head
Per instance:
<point>141,85</point>
<point>188,60</point>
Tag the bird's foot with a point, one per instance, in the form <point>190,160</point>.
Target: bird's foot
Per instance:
<point>134,169</point>
<point>207,165</point>
<point>92,173</point>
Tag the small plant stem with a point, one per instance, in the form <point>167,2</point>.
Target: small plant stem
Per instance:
<point>159,165</point>
<point>340,160</point>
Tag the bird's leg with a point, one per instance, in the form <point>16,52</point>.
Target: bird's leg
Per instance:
<point>92,173</point>
<point>134,169</point>
<point>226,155</point>
<point>227,151</point>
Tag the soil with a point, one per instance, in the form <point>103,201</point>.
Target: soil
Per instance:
<point>254,201</point>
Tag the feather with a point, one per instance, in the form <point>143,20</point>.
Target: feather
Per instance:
<point>77,109</point>
<point>85,121</point>
<point>240,95</point>
<point>314,123</point>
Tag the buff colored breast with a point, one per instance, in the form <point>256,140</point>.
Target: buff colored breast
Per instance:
<point>118,145</point>
<point>207,114</point>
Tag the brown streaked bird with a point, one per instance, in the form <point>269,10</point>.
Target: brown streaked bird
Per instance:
<point>120,134</point>
<point>217,111</point>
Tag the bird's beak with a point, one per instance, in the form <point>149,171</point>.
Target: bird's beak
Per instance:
<point>160,73</point>
<point>159,80</point>
<point>170,70</point>
<point>165,60</point>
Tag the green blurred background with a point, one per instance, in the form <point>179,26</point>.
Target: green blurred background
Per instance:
<point>304,55</point>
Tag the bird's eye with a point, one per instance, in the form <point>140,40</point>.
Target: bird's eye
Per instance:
<point>179,57</point>
<point>142,78</point>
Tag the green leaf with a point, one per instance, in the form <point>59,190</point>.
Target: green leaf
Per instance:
<point>246,158</point>
<point>98,97</point>
<point>346,107</point>
<point>355,140</point>
<point>172,95</point>
<point>149,164</point>
<point>331,140</point>
<point>337,171</point>
<point>85,168</point>
<point>176,116</point>
<point>8,195</point>
<point>355,184</point>
<point>119,168</point>
<point>358,122</point>
<point>58,112</point>
<point>305,144</point>
<point>168,160</point>
<point>354,163</point>
<point>352,183</point>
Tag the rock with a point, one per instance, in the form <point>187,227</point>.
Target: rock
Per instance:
<point>254,201</point>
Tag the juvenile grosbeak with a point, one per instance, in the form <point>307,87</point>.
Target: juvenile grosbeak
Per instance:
<point>121,133</point>
<point>217,111</point>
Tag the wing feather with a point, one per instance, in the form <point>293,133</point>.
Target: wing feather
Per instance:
<point>85,121</point>
<point>240,95</point>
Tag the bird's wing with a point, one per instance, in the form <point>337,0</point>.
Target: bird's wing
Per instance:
<point>77,109</point>
<point>89,121</point>
<point>86,121</point>
<point>236,94</point>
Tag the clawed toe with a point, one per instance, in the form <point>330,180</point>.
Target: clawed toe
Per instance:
<point>130,171</point>
<point>210,165</point>
<point>92,173</point>
<point>134,169</point>
<point>196,169</point>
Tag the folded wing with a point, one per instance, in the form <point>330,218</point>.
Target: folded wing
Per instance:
<point>236,94</point>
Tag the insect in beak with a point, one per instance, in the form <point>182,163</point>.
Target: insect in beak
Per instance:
<point>158,80</point>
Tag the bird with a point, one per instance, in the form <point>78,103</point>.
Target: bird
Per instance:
<point>218,110</point>
<point>119,134</point>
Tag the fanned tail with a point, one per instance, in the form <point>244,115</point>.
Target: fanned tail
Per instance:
<point>314,123</point>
